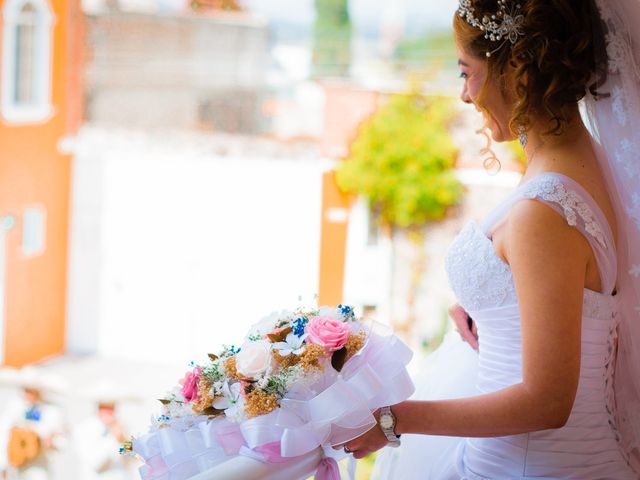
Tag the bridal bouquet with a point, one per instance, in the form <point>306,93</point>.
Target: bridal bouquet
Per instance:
<point>300,380</point>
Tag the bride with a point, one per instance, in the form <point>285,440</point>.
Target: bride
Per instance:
<point>548,285</point>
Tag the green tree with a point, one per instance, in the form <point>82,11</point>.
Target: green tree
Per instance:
<point>402,162</point>
<point>332,39</point>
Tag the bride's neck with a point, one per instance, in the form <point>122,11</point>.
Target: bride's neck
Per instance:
<point>541,144</point>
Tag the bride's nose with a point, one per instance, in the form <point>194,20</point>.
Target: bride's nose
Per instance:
<point>464,96</point>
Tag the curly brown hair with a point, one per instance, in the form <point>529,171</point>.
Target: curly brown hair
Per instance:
<point>559,57</point>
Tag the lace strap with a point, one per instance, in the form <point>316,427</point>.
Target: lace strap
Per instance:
<point>569,199</point>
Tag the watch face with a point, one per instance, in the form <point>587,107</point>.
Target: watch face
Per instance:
<point>386,421</point>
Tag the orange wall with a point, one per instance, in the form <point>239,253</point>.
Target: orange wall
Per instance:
<point>346,107</point>
<point>333,242</point>
<point>34,172</point>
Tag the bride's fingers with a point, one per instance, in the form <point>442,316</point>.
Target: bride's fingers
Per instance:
<point>473,337</point>
<point>459,317</point>
<point>465,325</point>
<point>468,337</point>
<point>461,320</point>
<point>358,454</point>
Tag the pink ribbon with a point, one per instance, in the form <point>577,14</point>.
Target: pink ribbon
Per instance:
<point>230,438</point>
<point>155,467</point>
<point>328,469</point>
<point>269,453</point>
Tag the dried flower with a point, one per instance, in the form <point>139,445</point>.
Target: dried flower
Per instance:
<point>230,368</point>
<point>312,357</point>
<point>260,403</point>
<point>204,398</point>
<point>355,343</point>
<point>284,362</point>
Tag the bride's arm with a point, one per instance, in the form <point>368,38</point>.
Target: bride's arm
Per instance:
<point>548,260</point>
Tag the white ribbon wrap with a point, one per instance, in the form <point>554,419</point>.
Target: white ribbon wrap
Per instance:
<point>333,411</point>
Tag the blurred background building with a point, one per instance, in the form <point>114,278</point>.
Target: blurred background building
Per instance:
<point>170,174</point>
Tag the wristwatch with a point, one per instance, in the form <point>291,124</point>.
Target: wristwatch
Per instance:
<point>387,422</point>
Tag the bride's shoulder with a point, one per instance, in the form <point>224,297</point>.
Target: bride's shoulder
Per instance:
<point>535,234</point>
<point>583,186</point>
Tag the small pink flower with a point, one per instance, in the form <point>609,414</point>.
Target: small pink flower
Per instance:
<point>328,332</point>
<point>190,385</point>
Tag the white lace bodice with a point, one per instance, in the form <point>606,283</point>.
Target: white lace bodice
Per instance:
<point>479,278</point>
<point>483,283</point>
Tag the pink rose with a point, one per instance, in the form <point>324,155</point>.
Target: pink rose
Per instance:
<point>328,332</point>
<point>190,385</point>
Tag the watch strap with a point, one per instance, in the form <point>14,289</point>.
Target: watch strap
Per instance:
<point>389,432</point>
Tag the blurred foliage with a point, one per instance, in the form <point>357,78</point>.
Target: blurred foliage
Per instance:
<point>203,5</point>
<point>518,153</point>
<point>435,47</point>
<point>331,39</point>
<point>430,344</point>
<point>402,161</point>
<point>365,467</point>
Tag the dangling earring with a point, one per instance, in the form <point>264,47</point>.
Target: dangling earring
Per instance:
<point>522,136</point>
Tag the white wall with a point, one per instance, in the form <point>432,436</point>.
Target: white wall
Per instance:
<point>368,267</point>
<point>189,247</point>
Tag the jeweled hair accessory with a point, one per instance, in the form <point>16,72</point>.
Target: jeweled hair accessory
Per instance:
<point>503,26</point>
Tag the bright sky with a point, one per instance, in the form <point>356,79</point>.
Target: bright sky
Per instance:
<point>418,14</point>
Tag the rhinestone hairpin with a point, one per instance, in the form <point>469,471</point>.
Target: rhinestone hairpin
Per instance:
<point>503,26</point>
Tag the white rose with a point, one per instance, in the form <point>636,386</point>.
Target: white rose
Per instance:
<point>254,358</point>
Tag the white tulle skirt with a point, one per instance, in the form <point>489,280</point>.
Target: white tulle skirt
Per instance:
<point>449,372</point>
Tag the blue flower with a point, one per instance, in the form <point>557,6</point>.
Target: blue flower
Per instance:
<point>229,351</point>
<point>298,326</point>
<point>346,311</point>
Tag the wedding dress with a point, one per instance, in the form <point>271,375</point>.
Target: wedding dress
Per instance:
<point>587,447</point>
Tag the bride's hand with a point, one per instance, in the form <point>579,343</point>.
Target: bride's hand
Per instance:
<point>465,325</point>
<point>369,442</point>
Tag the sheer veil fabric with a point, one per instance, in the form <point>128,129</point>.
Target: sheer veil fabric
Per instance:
<point>613,116</point>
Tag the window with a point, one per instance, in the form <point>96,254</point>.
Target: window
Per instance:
<point>26,61</point>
